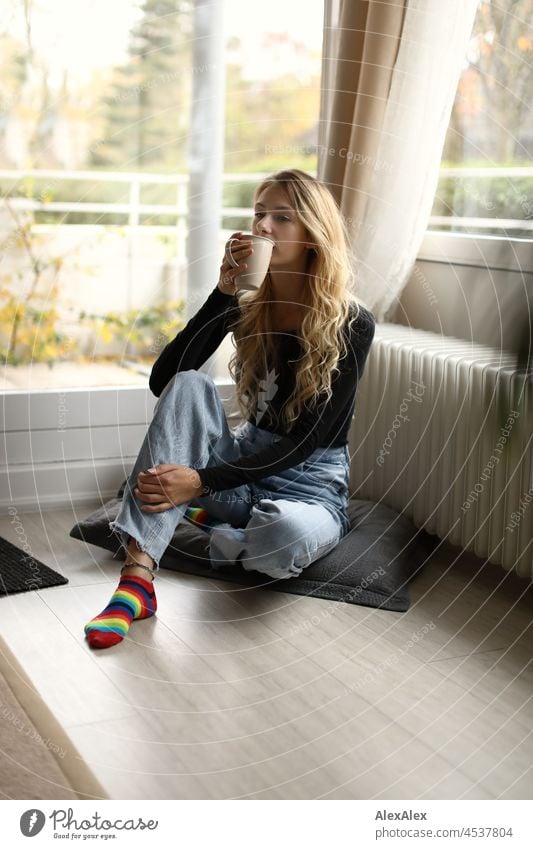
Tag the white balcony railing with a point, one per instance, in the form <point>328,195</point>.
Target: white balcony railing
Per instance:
<point>134,209</point>
<point>129,268</point>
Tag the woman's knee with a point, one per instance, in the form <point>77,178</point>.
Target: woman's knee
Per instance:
<point>279,542</point>
<point>192,377</point>
<point>189,381</point>
<point>274,540</point>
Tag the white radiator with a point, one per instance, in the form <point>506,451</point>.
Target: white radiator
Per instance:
<point>443,433</point>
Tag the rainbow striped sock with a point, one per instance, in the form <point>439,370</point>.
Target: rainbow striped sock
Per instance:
<point>134,598</point>
<point>199,516</point>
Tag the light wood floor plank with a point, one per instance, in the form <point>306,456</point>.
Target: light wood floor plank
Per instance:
<point>232,692</point>
<point>59,667</point>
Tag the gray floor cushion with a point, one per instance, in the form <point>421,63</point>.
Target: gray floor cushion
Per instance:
<point>372,565</point>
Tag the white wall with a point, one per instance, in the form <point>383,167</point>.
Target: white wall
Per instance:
<point>74,446</point>
<point>474,288</point>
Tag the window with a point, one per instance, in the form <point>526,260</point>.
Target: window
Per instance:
<point>93,170</point>
<point>486,179</point>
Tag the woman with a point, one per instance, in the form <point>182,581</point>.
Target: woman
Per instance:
<point>279,482</point>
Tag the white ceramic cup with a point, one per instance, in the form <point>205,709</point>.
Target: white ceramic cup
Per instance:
<point>257,262</point>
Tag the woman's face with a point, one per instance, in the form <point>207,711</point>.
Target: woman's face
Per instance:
<point>275,219</point>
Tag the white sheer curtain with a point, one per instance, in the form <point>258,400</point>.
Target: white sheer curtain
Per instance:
<point>391,190</point>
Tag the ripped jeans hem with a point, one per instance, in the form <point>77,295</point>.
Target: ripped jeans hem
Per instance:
<point>124,535</point>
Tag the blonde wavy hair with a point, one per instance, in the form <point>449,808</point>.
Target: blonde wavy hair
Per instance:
<point>327,295</point>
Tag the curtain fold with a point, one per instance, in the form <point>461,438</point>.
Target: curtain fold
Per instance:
<point>390,73</point>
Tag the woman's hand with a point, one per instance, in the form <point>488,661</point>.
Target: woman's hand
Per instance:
<point>240,250</point>
<point>166,486</point>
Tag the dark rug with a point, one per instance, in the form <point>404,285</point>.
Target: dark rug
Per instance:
<point>371,566</point>
<point>20,572</point>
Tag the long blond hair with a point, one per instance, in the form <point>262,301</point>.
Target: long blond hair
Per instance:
<point>328,298</point>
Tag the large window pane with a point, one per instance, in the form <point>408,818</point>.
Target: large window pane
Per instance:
<point>486,182</point>
<point>95,101</point>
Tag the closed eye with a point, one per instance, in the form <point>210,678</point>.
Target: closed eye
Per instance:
<point>279,217</point>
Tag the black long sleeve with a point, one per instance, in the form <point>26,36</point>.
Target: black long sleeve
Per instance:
<point>200,338</point>
<point>323,424</point>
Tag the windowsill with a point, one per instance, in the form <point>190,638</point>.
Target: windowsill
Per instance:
<point>476,250</point>
<point>64,376</point>
<point>40,377</point>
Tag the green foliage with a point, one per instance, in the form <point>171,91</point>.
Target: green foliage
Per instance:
<point>142,332</point>
<point>485,197</point>
<point>37,338</point>
<point>147,111</point>
<point>29,323</point>
<point>267,123</point>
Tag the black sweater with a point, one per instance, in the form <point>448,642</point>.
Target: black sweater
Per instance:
<point>324,424</point>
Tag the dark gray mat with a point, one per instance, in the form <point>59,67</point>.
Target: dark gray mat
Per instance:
<point>372,565</point>
<point>20,572</point>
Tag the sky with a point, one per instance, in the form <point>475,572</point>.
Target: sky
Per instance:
<point>85,35</point>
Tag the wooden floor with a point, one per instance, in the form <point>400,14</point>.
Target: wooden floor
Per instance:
<point>232,693</point>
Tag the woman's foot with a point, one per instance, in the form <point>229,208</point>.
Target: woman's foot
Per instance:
<point>134,598</point>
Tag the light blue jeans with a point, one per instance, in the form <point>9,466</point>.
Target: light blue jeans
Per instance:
<point>277,525</point>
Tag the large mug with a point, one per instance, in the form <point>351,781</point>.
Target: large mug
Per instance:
<point>257,263</point>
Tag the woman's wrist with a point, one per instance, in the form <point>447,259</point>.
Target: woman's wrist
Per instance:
<point>198,485</point>
<point>229,292</point>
